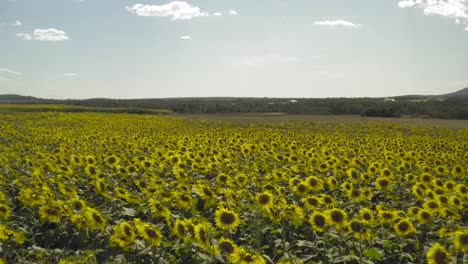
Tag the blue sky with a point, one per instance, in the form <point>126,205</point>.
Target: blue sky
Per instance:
<point>261,48</point>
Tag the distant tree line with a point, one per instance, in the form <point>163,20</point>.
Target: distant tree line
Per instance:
<point>455,107</point>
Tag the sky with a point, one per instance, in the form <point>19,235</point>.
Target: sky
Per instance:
<point>205,48</point>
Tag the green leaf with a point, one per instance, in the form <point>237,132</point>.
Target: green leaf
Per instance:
<point>373,253</point>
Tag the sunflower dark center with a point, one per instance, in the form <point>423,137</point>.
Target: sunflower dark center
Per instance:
<point>319,220</point>
<point>403,226</point>
<point>202,235</point>
<point>127,230</point>
<point>312,201</point>
<point>313,182</point>
<point>207,192</point>
<point>425,215</point>
<point>356,227</point>
<point>264,199</point>
<point>111,160</point>
<point>464,239</point>
<point>226,247</point>
<point>440,257</point>
<point>151,233</point>
<point>366,216</point>
<point>97,218</point>
<point>383,183</point>
<point>248,258</point>
<point>337,216</point>
<point>227,218</point>
<point>181,229</point>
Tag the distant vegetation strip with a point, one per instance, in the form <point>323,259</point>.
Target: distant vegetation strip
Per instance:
<point>75,109</point>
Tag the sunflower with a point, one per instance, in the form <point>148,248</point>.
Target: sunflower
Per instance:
<point>149,233</point>
<point>301,189</point>
<point>385,216</point>
<point>336,217</point>
<point>318,221</point>
<point>359,230</point>
<point>241,180</point>
<point>462,190</point>
<point>4,211</point>
<point>314,183</point>
<point>95,220</point>
<point>327,200</point>
<point>50,212</point>
<point>180,230</point>
<point>404,227</point>
<point>424,216</point>
<point>457,171</point>
<point>226,246</point>
<point>223,179</point>
<point>202,235</point>
<point>112,161</point>
<point>332,182</point>
<point>124,234</point>
<point>226,219</point>
<point>366,215</point>
<point>246,256</point>
<point>352,174</point>
<point>432,205</point>
<point>460,240</point>
<point>437,254</point>
<point>383,183</point>
<point>455,202</point>
<point>311,201</point>
<point>264,199</point>
<point>205,192</point>
<point>183,200</point>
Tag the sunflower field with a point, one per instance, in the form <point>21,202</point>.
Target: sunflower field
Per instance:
<point>124,188</point>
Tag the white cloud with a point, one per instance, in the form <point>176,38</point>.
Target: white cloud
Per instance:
<point>8,75</point>
<point>10,72</point>
<point>24,36</point>
<point>70,74</point>
<point>178,10</point>
<point>186,37</point>
<point>335,23</point>
<point>50,34</point>
<point>17,23</point>
<point>455,9</point>
<point>233,12</point>
<point>466,29</point>
<point>217,14</point>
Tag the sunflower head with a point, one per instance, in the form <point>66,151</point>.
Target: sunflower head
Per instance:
<point>437,254</point>
<point>226,219</point>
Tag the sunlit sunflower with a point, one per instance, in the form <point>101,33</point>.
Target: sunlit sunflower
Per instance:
<point>180,230</point>
<point>311,201</point>
<point>432,206</point>
<point>336,217</point>
<point>246,256</point>
<point>264,199</point>
<point>51,212</point>
<point>4,211</point>
<point>359,230</point>
<point>332,182</point>
<point>462,190</point>
<point>314,183</point>
<point>112,161</point>
<point>404,227</point>
<point>202,235</point>
<point>149,233</point>
<point>95,220</point>
<point>123,234</point>
<point>425,216</point>
<point>366,215</point>
<point>383,183</point>
<point>328,201</point>
<point>437,254</point>
<point>318,221</point>
<point>460,240</point>
<point>226,246</point>
<point>226,219</point>
<point>301,189</point>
